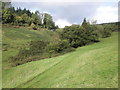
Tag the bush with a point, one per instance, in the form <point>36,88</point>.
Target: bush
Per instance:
<point>38,50</point>
<point>107,31</point>
<point>106,34</point>
<point>79,36</point>
<point>58,47</point>
<point>103,31</point>
<point>33,26</point>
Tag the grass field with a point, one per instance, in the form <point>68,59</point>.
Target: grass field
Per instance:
<point>15,38</point>
<point>92,66</point>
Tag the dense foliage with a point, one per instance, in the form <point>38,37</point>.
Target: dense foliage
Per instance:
<point>80,35</point>
<point>38,50</point>
<point>24,17</point>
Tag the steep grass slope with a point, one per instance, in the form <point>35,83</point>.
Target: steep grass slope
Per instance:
<point>14,39</point>
<point>93,66</point>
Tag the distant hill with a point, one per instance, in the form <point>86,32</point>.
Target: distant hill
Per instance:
<point>111,23</point>
<point>114,24</point>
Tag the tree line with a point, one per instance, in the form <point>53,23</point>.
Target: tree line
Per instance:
<point>25,17</point>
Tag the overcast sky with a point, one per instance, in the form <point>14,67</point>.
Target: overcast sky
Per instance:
<point>67,13</point>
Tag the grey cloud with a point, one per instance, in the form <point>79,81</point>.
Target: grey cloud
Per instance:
<point>72,12</point>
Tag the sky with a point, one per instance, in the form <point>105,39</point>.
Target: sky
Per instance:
<point>66,13</point>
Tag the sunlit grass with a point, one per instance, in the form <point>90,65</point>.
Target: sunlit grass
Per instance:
<point>92,66</point>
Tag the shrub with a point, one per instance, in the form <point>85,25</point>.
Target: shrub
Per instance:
<point>58,47</point>
<point>106,34</point>
<point>79,36</point>
<point>107,31</point>
<point>33,26</point>
<point>103,31</point>
<point>38,50</point>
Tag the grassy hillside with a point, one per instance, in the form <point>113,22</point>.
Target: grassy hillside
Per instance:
<point>16,37</point>
<point>93,66</point>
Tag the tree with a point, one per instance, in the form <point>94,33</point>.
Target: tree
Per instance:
<point>7,16</point>
<point>36,18</point>
<point>73,35</point>
<point>19,11</point>
<point>107,31</point>
<point>6,5</point>
<point>48,21</point>
<point>80,35</point>
<point>23,17</point>
<point>29,13</point>
<point>7,12</point>
<point>85,23</point>
<point>18,20</point>
<point>26,19</point>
